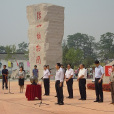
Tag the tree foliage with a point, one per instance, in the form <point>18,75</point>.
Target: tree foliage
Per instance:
<point>10,50</point>
<point>74,57</point>
<point>84,45</point>
<point>2,49</point>
<point>22,47</point>
<point>106,46</point>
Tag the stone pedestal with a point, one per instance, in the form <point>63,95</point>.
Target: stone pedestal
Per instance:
<point>46,30</point>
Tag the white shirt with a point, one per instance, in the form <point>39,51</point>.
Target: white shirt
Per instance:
<point>69,72</point>
<point>46,73</point>
<point>82,72</point>
<point>63,70</point>
<point>59,75</point>
<point>99,71</point>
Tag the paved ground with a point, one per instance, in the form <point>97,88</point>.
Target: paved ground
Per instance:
<point>17,103</point>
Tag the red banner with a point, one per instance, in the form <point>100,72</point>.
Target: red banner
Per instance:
<point>108,70</point>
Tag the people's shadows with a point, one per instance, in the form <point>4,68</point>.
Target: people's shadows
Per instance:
<point>75,104</point>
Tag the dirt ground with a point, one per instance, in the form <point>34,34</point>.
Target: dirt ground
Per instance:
<point>18,104</point>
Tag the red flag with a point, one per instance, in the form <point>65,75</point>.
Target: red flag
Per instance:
<point>17,63</point>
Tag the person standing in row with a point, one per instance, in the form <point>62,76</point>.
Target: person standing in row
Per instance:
<point>59,84</point>
<point>4,77</point>
<point>112,84</point>
<point>21,75</point>
<point>35,71</point>
<point>99,73</point>
<point>82,81</point>
<point>46,76</point>
<point>49,69</point>
<point>62,68</point>
<point>69,80</point>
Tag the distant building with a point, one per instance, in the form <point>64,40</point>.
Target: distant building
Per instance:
<point>18,59</point>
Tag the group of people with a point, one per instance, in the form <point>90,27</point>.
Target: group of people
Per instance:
<point>61,76</point>
<point>21,75</point>
<point>67,76</point>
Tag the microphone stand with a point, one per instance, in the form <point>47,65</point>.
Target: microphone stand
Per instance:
<point>41,95</point>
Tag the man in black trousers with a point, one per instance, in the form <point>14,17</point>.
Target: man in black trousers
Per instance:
<point>69,80</point>
<point>82,81</point>
<point>59,84</point>
<point>46,76</point>
<point>99,73</point>
<point>4,77</point>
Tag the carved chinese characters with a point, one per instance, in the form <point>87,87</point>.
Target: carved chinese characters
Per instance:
<point>46,29</point>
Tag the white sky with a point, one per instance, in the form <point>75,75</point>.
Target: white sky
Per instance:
<point>92,17</point>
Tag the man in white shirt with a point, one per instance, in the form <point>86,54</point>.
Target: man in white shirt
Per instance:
<point>69,80</point>
<point>99,73</point>
<point>62,68</point>
<point>46,76</point>
<point>82,81</point>
<point>59,84</point>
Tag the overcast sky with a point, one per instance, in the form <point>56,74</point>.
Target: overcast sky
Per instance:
<point>92,17</point>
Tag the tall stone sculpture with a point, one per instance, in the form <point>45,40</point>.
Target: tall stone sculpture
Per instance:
<point>46,29</point>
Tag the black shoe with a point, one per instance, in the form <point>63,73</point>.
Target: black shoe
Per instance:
<point>68,97</point>
<point>61,103</point>
<point>96,101</point>
<point>56,96</point>
<point>80,99</point>
<point>111,103</point>
<point>56,103</point>
<point>83,99</point>
<point>101,101</point>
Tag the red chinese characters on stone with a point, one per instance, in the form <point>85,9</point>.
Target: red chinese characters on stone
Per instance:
<point>38,60</point>
<point>38,48</point>
<point>38,15</point>
<point>38,36</point>
<point>38,25</point>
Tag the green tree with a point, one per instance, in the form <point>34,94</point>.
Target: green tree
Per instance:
<point>88,61</point>
<point>2,49</point>
<point>10,50</point>
<point>22,47</point>
<point>65,50</point>
<point>86,44</point>
<point>82,41</point>
<point>74,57</point>
<point>106,46</point>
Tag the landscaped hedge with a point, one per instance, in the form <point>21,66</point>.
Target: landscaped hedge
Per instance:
<point>0,76</point>
<point>106,87</point>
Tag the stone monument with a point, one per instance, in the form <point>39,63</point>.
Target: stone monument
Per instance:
<point>46,30</point>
